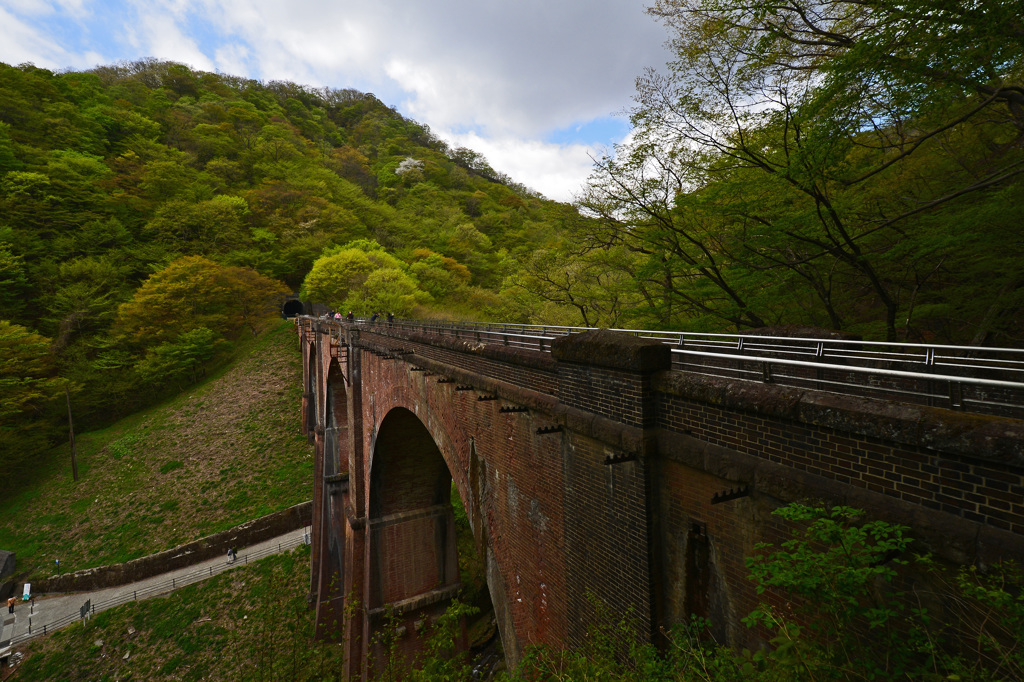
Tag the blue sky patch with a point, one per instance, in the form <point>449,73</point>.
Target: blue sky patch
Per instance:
<point>600,131</point>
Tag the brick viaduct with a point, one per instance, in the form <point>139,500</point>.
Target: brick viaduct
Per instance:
<point>595,477</point>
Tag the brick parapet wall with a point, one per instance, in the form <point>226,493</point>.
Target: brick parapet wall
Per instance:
<point>961,465</point>
<point>997,440</point>
<point>532,370</point>
<point>608,373</point>
<point>621,396</point>
<point>612,432</point>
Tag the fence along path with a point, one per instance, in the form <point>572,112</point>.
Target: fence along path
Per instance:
<point>46,615</point>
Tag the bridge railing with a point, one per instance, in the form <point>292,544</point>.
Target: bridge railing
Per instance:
<point>972,378</point>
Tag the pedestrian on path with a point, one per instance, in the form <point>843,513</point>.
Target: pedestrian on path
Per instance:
<point>10,604</point>
<point>231,555</point>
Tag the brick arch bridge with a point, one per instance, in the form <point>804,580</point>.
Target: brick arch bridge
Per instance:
<point>607,471</point>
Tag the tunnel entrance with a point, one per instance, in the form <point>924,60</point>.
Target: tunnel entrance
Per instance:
<point>292,308</point>
<point>422,551</point>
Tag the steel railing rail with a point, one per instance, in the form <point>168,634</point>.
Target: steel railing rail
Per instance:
<point>984,379</point>
<point>929,354</point>
<point>37,629</point>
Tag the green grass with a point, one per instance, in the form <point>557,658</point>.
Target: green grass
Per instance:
<point>171,466</point>
<point>251,623</point>
<point>222,453</point>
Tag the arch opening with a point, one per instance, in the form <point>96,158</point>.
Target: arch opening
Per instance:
<point>423,552</point>
<point>311,391</point>
<point>330,540</point>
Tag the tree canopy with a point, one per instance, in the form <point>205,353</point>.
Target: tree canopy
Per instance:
<point>150,214</point>
<point>828,164</point>
<point>845,164</point>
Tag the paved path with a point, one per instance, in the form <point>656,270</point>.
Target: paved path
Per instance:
<point>50,613</point>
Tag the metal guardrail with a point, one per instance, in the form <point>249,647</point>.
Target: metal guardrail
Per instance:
<point>37,630</point>
<point>971,378</point>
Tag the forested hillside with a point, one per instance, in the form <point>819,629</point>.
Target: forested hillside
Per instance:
<point>151,214</point>
<point>852,166</point>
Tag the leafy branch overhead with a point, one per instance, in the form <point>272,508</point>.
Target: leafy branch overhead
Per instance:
<point>850,165</point>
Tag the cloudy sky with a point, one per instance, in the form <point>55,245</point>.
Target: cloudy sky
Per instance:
<point>533,85</point>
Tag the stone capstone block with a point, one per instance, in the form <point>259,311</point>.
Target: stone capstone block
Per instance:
<point>614,350</point>
<point>767,399</point>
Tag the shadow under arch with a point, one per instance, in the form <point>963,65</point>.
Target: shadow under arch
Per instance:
<point>412,548</point>
<point>329,527</point>
<point>310,392</point>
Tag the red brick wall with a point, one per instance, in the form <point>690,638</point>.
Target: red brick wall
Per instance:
<point>615,501</point>
<point>516,499</point>
<point>977,491</point>
<point>606,544</point>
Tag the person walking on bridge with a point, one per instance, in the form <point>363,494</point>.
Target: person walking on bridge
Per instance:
<point>10,604</point>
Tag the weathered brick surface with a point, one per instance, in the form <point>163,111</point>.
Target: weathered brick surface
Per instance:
<point>612,501</point>
<point>529,369</point>
<point>606,543</point>
<point>976,490</point>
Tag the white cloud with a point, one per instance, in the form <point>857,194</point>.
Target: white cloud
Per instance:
<point>511,72</point>
<point>557,171</point>
<point>31,7</point>
<point>233,59</point>
<point>158,33</point>
<point>21,42</point>
<point>73,8</point>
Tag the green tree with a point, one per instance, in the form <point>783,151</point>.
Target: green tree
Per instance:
<point>184,356</point>
<point>27,386</point>
<point>14,286</point>
<point>192,293</point>
<point>386,290</point>
<point>256,298</point>
<point>8,160</point>
<point>815,146</point>
<point>340,274</point>
<point>209,226</point>
<point>595,286</point>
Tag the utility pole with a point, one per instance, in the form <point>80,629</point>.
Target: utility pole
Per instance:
<point>71,430</point>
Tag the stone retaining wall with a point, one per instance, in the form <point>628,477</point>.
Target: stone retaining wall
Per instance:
<point>210,547</point>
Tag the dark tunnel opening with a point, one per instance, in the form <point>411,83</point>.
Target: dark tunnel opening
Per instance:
<point>292,308</point>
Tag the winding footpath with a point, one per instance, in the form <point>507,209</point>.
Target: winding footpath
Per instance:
<point>50,613</point>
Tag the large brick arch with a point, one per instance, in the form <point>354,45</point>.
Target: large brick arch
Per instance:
<point>328,569</point>
<point>309,387</point>
<point>413,560</point>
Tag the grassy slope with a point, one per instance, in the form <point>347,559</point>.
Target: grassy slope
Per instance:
<point>251,623</point>
<point>226,451</point>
